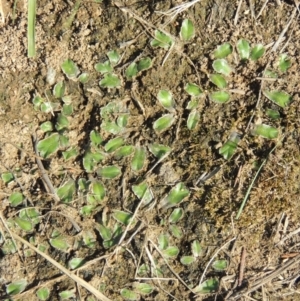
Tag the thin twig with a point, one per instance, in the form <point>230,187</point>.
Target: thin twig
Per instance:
<point>242,267</point>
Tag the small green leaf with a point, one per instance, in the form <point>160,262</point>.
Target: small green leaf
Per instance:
<point>220,265</point>
<point>192,104</point>
<point>110,81</point>
<point>270,73</point>
<point>243,48</point>
<point>49,145</point>
<point>187,260</point>
<point>161,40</point>
<point>122,120</point>
<point>265,131</point>
<point>91,159</point>
<point>218,80</point>
<point>207,287</point>
<point>83,184</point>
<point>129,295</point>
<point>95,138</point>
<point>87,210</point>
<point>170,252</point>
<point>222,66</point>
<point>59,243</point>
<point>187,30</point>
<point>43,293</point>
<point>75,263</point>
<point>193,120</point>
<point>64,295</point>
<point>122,216</point>
<point>163,123</point>
<point>229,148</point>
<point>16,198</point>
<point>84,78</point>
<point>105,232</point>
<point>24,224</point>
<point>196,248</point>
<point>222,51</point>
<point>143,288</point>
<point>193,89</point>
<point>284,62</point>
<point>143,192</point>
<point>176,231</point>
<point>219,97</point>
<point>109,172</point>
<point>113,57</point>
<point>131,71</point>
<point>16,287</point>
<point>7,177</point>
<point>66,192</point>
<point>176,215</point>
<point>103,67</point>
<point>138,159</point>
<point>98,191</point>
<point>166,99</point>
<point>144,64</point>
<point>59,90</point>
<point>257,52</point>
<point>70,69</point>
<point>62,122</point>
<point>67,110</point>
<point>176,196</point>
<point>159,150</point>
<point>70,153</point>
<point>123,151</point>
<point>111,127</point>
<point>282,99</point>
<point>163,241</point>
<point>46,126</point>
<point>273,114</point>
<point>113,144</point>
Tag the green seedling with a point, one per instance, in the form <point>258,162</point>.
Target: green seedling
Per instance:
<point>122,120</point>
<point>135,68</point>
<point>163,123</point>
<point>59,243</point>
<point>176,196</point>
<point>129,294</point>
<point>218,80</point>
<point>8,247</point>
<point>193,119</point>
<point>114,57</point>
<point>159,150</point>
<point>66,192</point>
<point>62,122</point>
<point>193,90</point>
<point>139,158</point>
<point>229,148</point>
<point>187,260</point>
<point>89,239</point>
<point>66,295</point>
<point>122,217</point>
<point>143,192</point>
<point>49,145</point>
<point>176,231</point>
<point>144,64</point>
<point>31,27</point>
<point>67,99</point>
<point>187,30</point>
<point>257,52</point>
<point>222,66</point>
<point>273,114</point>
<point>111,127</point>
<point>87,210</point>
<point>131,71</point>
<point>270,74</point>
<point>98,191</point>
<point>45,106</point>
<point>166,99</point>
<point>243,48</point>
<point>109,172</point>
<point>113,144</point>
<point>46,126</point>
<point>143,288</point>
<point>31,214</point>
<point>220,265</point>
<point>7,177</point>
<point>67,110</point>
<point>104,67</point>
<point>196,248</point>
<point>222,51</point>
<point>219,97</point>
<point>59,90</point>
<point>105,232</point>
<point>16,287</point>
<point>84,78</point>
<point>123,151</point>
<point>70,153</point>
<point>163,241</point>
<point>90,160</point>
<point>282,99</point>
<point>143,270</point>
<point>16,199</point>
<point>207,287</point>
<point>23,224</point>
<point>284,62</point>
<point>110,81</point>
<point>43,293</point>
<point>170,252</point>
<point>95,138</point>
<point>161,40</point>
<point>265,131</point>
<point>75,263</point>
<point>70,69</point>
<point>192,104</point>
<point>83,185</point>
<point>176,215</point>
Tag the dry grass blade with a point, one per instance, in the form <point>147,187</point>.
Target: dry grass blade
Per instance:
<point>74,277</point>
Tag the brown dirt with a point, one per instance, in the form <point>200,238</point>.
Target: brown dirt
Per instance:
<point>265,229</point>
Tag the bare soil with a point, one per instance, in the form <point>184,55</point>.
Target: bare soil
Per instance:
<point>268,229</point>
